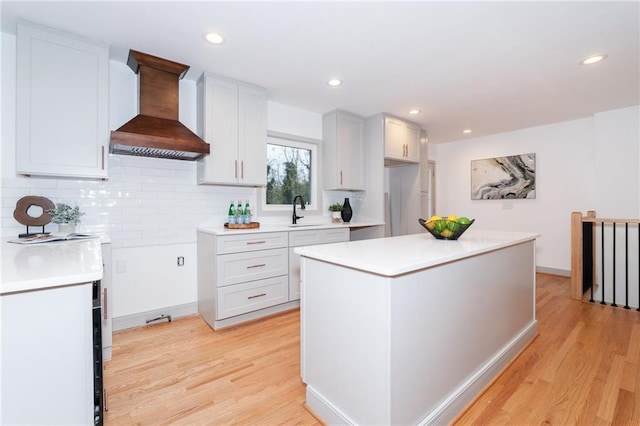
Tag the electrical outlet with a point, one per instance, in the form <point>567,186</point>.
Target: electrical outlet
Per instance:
<point>180,260</point>
<point>507,205</point>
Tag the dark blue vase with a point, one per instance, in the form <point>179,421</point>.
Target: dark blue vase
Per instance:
<point>346,211</point>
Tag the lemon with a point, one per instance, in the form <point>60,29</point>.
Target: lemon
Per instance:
<point>452,217</point>
<point>430,225</point>
<point>434,218</point>
<point>446,233</point>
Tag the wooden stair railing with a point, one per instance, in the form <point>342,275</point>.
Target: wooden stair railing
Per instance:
<point>585,257</point>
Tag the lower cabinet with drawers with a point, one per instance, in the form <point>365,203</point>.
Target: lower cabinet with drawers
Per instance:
<point>246,276</point>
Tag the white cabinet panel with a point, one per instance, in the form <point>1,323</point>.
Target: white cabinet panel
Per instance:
<point>342,151</point>
<point>242,298</point>
<point>401,140</point>
<point>47,358</point>
<point>250,242</point>
<point>62,104</point>
<point>232,118</point>
<point>241,267</point>
<point>307,238</point>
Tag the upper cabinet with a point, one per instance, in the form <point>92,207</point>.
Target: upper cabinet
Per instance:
<point>342,151</point>
<point>401,140</point>
<point>62,87</point>
<point>232,118</point>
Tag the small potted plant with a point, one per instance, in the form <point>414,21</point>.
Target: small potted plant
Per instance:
<point>66,217</point>
<point>335,210</point>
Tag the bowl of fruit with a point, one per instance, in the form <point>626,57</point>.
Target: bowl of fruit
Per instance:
<point>446,228</point>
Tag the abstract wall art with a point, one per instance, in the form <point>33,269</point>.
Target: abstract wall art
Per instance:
<point>504,177</point>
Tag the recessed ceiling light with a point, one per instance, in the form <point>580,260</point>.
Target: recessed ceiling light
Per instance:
<point>593,59</point>
<point>466,131</point>
<point>414,111</point>
<point>334,82</point>
<point>214,38</point>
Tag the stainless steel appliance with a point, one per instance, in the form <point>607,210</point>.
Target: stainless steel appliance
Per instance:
<point>98,395</point>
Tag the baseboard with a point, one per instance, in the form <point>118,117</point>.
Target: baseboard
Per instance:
<point>140,319</point>
<point>460,398</point>
<point>325,411</point>
<point>553,271</point>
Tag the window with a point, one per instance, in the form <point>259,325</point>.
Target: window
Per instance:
<point>291,170</point>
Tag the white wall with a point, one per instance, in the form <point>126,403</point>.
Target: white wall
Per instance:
<point>587,164</point>
<point>150,207</point>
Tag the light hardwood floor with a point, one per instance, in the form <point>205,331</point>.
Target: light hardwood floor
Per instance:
<point>582,369</point>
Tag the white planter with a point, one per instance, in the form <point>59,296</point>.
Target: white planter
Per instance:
<point>335,217</point>
<point>67,228</point>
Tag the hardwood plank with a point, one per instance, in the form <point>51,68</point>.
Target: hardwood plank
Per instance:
<point>583,368</point>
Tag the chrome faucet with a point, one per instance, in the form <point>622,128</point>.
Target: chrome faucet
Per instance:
<point>295,216</point>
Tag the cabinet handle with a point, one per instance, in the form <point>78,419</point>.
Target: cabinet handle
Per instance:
<point>241,169</point>
<point>340,177</point>
<point>259,265</point>
<point>105,304</point>
<point>236,168</point>
<point>257,295</point>
<point>106,399</point>
<point>256,242</point>
<point>102,154</point>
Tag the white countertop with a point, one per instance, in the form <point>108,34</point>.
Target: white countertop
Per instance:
<point>286,228</point>
<point>38,266</point>
<point>399,255</point>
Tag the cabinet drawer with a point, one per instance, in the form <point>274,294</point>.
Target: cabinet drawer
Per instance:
<point>335,235</point>
<point>319,236</point>
<point>240,267</point>
<point>305,238</point>
<point>251,242</point>
<point>242,298</point>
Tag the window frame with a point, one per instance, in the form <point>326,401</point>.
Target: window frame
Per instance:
<point>295,141</point>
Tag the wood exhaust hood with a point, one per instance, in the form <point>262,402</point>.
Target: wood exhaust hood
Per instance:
<point>156,131</point>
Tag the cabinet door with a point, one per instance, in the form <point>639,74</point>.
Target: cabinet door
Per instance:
<point>342,151</point>
<point>252,135</point>
<point>394,137</point>
<point>412,140</point>
<point>401,140</point>
<point>62,104</point>
<point>220,130</point>
<point>350,146</point>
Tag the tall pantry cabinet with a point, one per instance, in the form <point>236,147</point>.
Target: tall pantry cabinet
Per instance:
<point>232,118</point>
<point>62,111</point>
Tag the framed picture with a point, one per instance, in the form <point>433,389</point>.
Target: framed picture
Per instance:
<point>504,177</point>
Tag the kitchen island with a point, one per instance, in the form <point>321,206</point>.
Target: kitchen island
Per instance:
<point>408,330</point>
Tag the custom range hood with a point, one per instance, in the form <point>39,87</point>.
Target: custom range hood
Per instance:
<point>156,131</point>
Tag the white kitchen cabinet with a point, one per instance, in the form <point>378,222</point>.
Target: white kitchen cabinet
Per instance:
<point>342,151</point>
<point>46,356</point>
<point>241,276</point>
<point>401,140</point>
<point>62,108</point>
<point>232,118</point>
<point>309,238</point>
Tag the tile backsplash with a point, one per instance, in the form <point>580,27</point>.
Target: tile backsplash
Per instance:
<point>145,201</point>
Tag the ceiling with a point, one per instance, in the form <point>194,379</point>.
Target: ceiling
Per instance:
<point>487,66</point>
